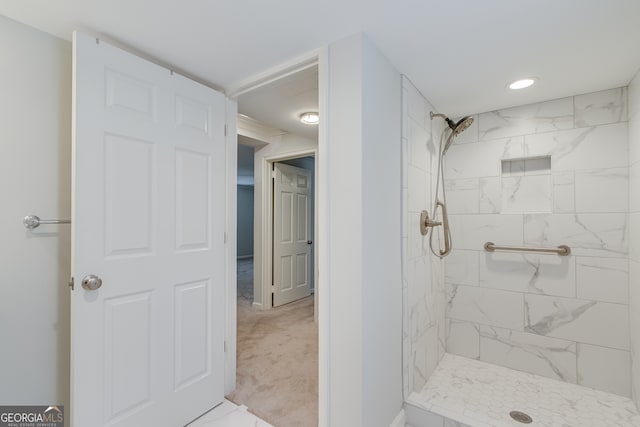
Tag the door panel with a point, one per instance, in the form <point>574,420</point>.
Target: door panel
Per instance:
<point>148,218</point>
<point>291,250</point>
<point>131,94</point>
<point>127,354</point>
<point>302,219</point>
<point>286,217</point>
<point>192,200</point>
<point>192,346</point>
<point>127,158</point>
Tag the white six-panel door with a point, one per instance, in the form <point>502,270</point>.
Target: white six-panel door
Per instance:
<point>148,219</point>
<point>292,231</point>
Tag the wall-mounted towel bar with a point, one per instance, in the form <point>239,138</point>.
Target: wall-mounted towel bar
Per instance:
<point>562,250</point>
<point>33,221</point>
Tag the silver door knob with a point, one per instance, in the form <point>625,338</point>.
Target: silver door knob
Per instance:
<point>91,282</point>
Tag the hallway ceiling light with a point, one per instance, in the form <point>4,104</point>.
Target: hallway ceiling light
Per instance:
<point>310,118</point>
<point>523,83</point>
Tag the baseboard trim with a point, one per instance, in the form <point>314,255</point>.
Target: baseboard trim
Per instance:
<point>400,420</point>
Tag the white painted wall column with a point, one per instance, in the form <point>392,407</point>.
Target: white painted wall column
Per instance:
<point>363,221</point>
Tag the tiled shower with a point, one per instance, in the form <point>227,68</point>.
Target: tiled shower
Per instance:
<point>560,172</point>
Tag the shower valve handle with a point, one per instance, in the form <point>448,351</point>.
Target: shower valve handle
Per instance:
<point>426,223</point>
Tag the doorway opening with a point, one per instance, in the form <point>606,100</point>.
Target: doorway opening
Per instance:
<point>245,218</point>
<point>277,334</point>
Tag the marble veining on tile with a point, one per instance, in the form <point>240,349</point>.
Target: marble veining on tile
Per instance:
<point>583,148</point>
<point>597,234</point>
<point>422,277</point>
<point>527,119</point>
<point>490,194</point>
<point>526,194</point>
<point>597,108</point>
<point>531,273</point>
<point>482,395</point>
<point>463,338</point>
<point>606,369</point>
<point>462,159</point>
<point>602,190</point>
<point>589,322</point>
<point>543,175</point>
<point>549,357</point>
<point>485,306</point>
<point>564,198</point>
<point>603,279</point>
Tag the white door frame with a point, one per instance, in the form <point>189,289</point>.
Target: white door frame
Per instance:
<point>267,223</point>
<point>231,291</point>
<point>321,233</point>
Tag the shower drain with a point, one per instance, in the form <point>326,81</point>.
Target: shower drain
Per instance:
<point>521,417</point>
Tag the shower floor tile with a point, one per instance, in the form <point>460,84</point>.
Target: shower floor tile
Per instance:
<point>480,394</point>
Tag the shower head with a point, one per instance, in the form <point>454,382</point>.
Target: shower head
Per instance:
<point>461,126</point>
<point>456,128</point>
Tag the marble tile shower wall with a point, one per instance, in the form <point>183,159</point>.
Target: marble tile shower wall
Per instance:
<point>423,281</point>
<point>634,233</point>
<point>565,318</point>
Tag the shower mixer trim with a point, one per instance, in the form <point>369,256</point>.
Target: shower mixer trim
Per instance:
<point>426,222</point>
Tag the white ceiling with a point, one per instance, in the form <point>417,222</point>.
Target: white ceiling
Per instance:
<point>459,53</point>
<point>280,103</point>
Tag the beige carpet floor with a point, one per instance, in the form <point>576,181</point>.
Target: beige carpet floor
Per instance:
<point>277,376</point>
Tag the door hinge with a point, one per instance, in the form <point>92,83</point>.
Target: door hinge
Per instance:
<point>225,346</point>
<point>225,237</point>
<point>71,283</point>
<point>225,130</point>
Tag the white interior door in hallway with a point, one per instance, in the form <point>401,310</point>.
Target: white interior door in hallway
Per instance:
<point>291,235</point>
<point>148,219</point>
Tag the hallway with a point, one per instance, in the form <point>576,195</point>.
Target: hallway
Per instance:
<point>277,376</point>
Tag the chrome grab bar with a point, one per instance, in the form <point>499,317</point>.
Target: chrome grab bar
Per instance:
<point>34,221</point>
<point>562,250</point>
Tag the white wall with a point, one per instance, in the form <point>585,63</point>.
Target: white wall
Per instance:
<point>245,221</point>
<point>278,147</point>
<point>566,318</point>
<point>381,243</point>
<point>35,170</point>
<point>634,233</point>
<point>363,219</point>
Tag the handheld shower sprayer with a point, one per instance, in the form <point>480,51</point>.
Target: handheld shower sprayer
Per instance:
<point>425,222</point>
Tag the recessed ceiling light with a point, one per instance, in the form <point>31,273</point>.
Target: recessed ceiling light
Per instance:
<point>522,83</point>
<point>310,118</point>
